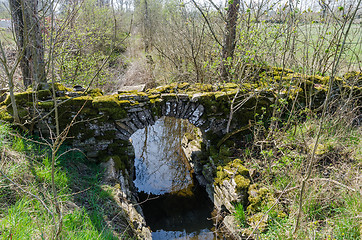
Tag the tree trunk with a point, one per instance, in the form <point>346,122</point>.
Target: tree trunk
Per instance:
<point>229,37</point>
<point>147,28</point>
<point>30,42</point>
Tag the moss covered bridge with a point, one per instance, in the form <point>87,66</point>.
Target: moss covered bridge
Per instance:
<point>101,124</point>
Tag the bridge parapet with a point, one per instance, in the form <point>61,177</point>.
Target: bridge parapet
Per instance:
<point>103,124</point>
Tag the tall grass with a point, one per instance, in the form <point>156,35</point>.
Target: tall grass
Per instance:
<point>82,196</point>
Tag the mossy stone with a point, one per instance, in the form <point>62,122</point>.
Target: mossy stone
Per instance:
<point>5,115</point>
<point>242,183</point>
<point>46,104</point>
<point>96,92</point>
<point>259,197</point>
<point>61,87</point>
<point>111,105</point>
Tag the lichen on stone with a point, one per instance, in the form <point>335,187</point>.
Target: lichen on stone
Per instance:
<point>233,170</point>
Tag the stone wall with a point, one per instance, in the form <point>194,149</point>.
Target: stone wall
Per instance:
<point>101,125</point>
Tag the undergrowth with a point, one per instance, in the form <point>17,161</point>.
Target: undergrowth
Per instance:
<point>88,207</point>
<point>333,200</point>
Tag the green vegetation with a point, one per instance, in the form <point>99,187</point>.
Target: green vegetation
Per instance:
<point>290,80</point>
<point>88,206</point>
<point>333,200</point>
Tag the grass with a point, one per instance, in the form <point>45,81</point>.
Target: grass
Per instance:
<point>333,199</point>
<point>88,206</point>
<point>240,215</point>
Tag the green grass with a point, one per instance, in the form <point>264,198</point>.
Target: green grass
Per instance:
<point>240,215</point>
<point>330,210</point>
<point>88,207</point>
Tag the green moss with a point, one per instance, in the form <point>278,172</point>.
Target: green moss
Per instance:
<point>156,100</point>
<point>152,92</point>
<point>238,164</point>
<point>111,105</point>
<point>259,198</point>
<point>134,103</point>
<point>4,114</point>
<point>242,183</point>
<point>124,102</point>
<point>169,96</point>
<point>259,220</point>
<point>85,101</point>
<point>61,87</point>
<point>183,86</point>
<point>44,94</point>
<point>230,85</point>
<point>199,87</point>
<point>234,169</point>
<point>353,76</point>
<point>153,96</point>
<point>96,92</point>
<point>21,98</point>
<point>26,98</point>
<point>46,104</point>
<point>90,111</point>
<point>163,89</point>
<point>22,112</point>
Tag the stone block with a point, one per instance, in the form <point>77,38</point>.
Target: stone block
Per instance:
<point>138,88</point>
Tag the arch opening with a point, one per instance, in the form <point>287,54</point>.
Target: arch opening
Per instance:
<point>173,202</point>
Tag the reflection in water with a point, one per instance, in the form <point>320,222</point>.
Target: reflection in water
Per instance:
<point>202,235</point>
<point>160,164</point>
<point>181,209</point>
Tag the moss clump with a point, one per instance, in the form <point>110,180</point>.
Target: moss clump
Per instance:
<point>61,87</point>
<point>4,114</point>
<point>85,101</point>
<point>353,77</point>
<point>229,85</point>
<point>153,96</point>
<point>96,92</point>
<point>234,169</point>
<point>221,175</point>
<point>152,92</point>
<point>111,105</point>
<point>161,89</point>
<point>259,198</point>
<point>242,183</point>
<point>238,164</point>
<point>43,94</point>
<point>183,86</point>
<point>259,220</point>
<point>21,98</point>
<point>199,87</point>
<point>46,104</point>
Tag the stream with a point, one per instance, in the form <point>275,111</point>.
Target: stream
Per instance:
<point>174,205</point>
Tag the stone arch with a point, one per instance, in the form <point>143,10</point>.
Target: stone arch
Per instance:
<point>139,118</point>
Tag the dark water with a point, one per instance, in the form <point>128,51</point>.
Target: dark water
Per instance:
<point>175,206</point>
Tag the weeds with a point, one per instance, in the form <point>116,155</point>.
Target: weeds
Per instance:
<point>87,206</point>
<point>332,206</point>
<point>240,215</point>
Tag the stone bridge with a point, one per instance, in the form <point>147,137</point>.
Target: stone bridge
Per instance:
<point>103,124</point>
